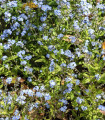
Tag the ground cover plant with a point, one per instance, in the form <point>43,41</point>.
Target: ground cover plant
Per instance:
<point>52,60</point>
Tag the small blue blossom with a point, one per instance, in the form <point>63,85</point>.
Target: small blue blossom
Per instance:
<point>69,85</point>
<point>7,14</point>
<point>68,79</point>
<point>19,43</point>
<point>63,108</point>
<point>60,36</point>
<point>43,18</point>
<point>28,57</point>
<point>76,108</point>
<point>9,80</point>
<point>36,88</point>
<point>73,39</point>
<point>51,47</point>
<point>77,82</point>
<point>47,96</point>
<point>83,108</point>
<point>63,65</point>
<point>91,31</point>
<point>101,107</point>
<point>40,43</point>
<point>52,83</point>
<point>79,100</point>
<point>12,4</point>
<point>64,101</point>
<point>21,99</point>
<point>4,57</point>
<point>23,62</point>
<point>68,53</point>
<point>23,33</point>
<point>97,76</point>
<point>42,88</point>
<point>71,65</point>
<point>15,117</point>
<point>98,96</point>
<point>38,94</point>
<point>29,79</point>
<point>36,105</point>
<point>103,58</point>
<point>45,37</point>
<point>47,55</point>
<point>57,12</point>
<point>47,105</point>
<point>45,8</point>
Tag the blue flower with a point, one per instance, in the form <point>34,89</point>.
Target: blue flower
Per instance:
<point>43,18</point>
<point>57,12</point>
<point>45,37</point>
<point>40,43</point>
<point>6,46</point>
<point>7,14</point>
<point>23,33</point>
<point>91,31</point>
<point>45,8</point>
<point>71,65</point>
<point>103,58</point>
<point>83,108</point>
<point>8,80</point>
<point>101,107</point>
<point>28,57</point>
<point>76,26</point>
<point>29,79</point>
<point>63,65</point>
<point>64,101</point>
<point>67,79</point>
<point>23,62</point>
<point>38,94</point>
<point>30,92</point>
<point>63,108</point>
<point>20,19</point>
<point>12,4</point>
<point>97,76</point>
<point>47,96</point>
<point>42,88</point>
<point>51,47</point>
<point>36,105</point>
<point>21,99</point>
<point>60,36</point>
<point>73,39</point>
<point>47,105</point>
<point>68,53</point>
<point>79,100</point>
<point>48,55</point>
<point>36,88</point>
<point>98,96</point>
<point>4,57</point>
<point>69,85</point>
<point>19,43</point>
<point>77,82</point>
<point>76,108</point>
<point>52,83</point>
<point>15,117</point>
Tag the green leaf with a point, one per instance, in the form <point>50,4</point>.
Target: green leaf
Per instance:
<point>11,58</point>
<point>40,60</point>
<point>102,79</point>
<point>1,86</point>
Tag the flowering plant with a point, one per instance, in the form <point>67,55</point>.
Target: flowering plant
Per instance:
<point>52,60</point>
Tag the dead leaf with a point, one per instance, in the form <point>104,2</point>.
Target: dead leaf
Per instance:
<point>62,82</point>
<point>103,112</point>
